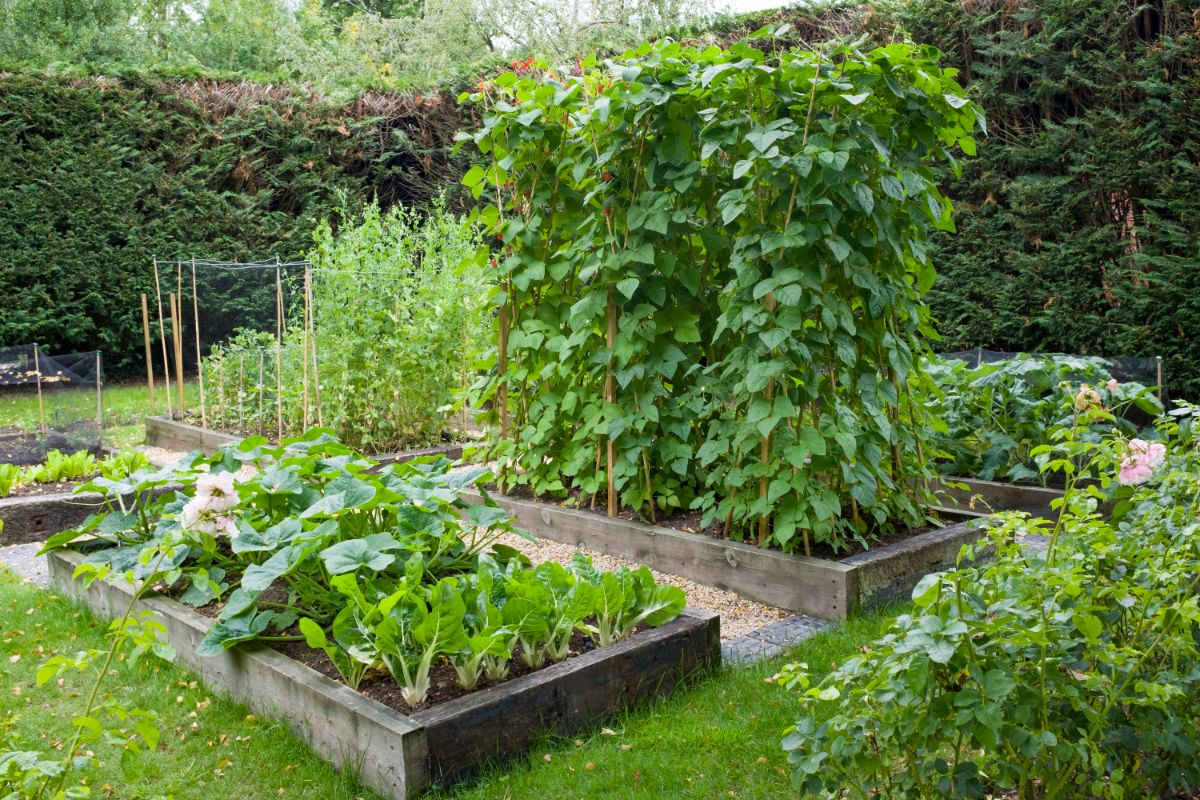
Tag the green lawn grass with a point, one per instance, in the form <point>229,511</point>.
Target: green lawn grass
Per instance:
<point>717,739</point>
<point>124,405</point>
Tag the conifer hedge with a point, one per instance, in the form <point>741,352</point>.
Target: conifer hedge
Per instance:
<point>101,175</point>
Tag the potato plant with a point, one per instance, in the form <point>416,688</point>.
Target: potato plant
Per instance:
<point>712,277</point>
<point>379,568</point>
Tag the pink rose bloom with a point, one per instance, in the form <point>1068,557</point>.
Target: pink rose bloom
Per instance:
<point>218,490</point>
<point>1139,462</point>
<point>1152,453</point>
<point>1133,472</point>
<point>1112,384</point>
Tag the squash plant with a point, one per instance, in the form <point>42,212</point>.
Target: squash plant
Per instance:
<point>386,568</point>
<point>712,277</point>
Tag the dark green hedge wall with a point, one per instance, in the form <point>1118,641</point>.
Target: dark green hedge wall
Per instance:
<point>1079,221</point>
<point>98,176</point>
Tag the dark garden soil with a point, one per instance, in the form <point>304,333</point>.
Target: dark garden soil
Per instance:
<point>24,449</point>
<point>36,489</point>
<point>378,684</point>
<point>688,521</point>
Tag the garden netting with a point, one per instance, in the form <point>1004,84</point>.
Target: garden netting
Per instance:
<point>49,401</point>
<point>1146,370</point>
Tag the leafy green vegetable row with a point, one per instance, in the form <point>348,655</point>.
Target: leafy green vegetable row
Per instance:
<point>58,466</point>
<point>386,568</point>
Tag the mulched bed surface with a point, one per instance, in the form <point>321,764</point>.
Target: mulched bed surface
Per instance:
<point>688,521</point>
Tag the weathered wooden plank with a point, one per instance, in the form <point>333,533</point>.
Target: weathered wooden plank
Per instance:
<point>991,496</point>
<point>887,573</point>
<point>386,747</point>
<point>809,585</point>
<point>498,722</point>
<point>400,755</point>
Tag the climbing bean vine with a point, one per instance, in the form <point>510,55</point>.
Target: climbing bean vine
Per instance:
<point>712,267</point>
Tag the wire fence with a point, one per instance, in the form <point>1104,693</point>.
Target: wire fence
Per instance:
<point>49,402</point>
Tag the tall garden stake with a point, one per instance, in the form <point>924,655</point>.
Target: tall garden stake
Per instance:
<point>162,338</point>
<point>199,363</point>
<point>304,352</point>
<point>149,354</point>
<point>37,369</point>
<point>177,343</point>
<point>610,394</point>
<point>278,351</point>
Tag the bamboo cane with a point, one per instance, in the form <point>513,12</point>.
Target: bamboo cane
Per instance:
<point>502,390</point>
<point>199,363</point>
<point>279,321</point>
<point>241,391</point>
<point>260,392</point>
<point>304,353</point>
<point>312,337</point>
<point>177,341</point>
<point>162,338</point>
<point>100,400</point>
<point>37,369</point>
<point>610,394</point>
<point>149,354</point>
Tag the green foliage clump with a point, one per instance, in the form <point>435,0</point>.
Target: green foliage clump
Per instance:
<point>58,466</point>
<point>713,275</point>
<point>382,568</point>
<point>399,309</point>
<point>101,176</point>
<point>1067,670</point>
<point>993,416</point>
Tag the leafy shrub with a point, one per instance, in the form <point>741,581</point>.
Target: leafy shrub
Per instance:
<point>387,568</point>
<point>1071,670</point>
<point>399,309</point>
<point>713,277</point>
<point>996,414</point>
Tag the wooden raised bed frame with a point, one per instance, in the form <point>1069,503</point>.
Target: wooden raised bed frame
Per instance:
<point>818,587</point>
<point>401,755</point>
<point>172,435</point>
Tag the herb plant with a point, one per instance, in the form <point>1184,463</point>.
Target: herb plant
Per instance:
<point>712,281</point>
<point>1067,670</point>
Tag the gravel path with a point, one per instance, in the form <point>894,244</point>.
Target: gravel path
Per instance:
<point>739,617</point>
<point>23,560</point>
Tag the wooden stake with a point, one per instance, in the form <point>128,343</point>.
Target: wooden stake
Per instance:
<point>162,337</point>
<point>199,363</point>
<point>221,388</point>
<point>610,394</point>
<point>304,352</point>
<point>149,355</point>
<point>241,391</point>
<point>37,369</point>
<point>100,400</point>
<point>1158,363</point>
<point>312,337</point>
<point>177,341</point>
<point>502,390</point>
<point>260,392</point>
<point>279,322</point>
<point>764,449</point>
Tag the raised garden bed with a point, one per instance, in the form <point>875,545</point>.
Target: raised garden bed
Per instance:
<point>830,589</point>
<point>987,496</point>
<point>170,434</point>
<point>400,755</point>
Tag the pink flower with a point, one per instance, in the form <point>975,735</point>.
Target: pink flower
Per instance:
<point>218,490</point>
<point>1152,453</point>
<point>1133,472</point>
<point>1112,384</point>
<point>1139,462</point>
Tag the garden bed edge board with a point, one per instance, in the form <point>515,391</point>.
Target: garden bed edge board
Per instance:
<point>392,752</point>
<point>818,587</point>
